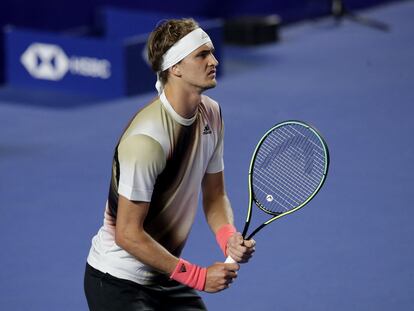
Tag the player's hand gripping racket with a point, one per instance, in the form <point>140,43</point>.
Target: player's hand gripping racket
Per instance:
<point>288,168</point>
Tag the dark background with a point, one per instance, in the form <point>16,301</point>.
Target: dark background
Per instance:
<point>65,14</point>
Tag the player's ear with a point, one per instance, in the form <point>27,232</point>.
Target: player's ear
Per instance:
<point>175,70</point>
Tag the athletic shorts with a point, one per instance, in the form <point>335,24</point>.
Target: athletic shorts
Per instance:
<point>105,292</point>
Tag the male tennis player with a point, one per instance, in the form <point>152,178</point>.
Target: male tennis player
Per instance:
<point>170,150</point>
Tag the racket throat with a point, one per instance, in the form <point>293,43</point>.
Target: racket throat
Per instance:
<point>255,231</point>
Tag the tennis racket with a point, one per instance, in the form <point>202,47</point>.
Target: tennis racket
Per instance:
<point>287,169</point>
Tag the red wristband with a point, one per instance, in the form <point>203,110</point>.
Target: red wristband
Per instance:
<point>189,274</point>
<point>223,235</point>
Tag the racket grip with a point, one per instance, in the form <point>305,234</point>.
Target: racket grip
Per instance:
<point>229,260</point>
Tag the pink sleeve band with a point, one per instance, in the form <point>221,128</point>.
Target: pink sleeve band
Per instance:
<point>223,235</point>
<point>189,274</point>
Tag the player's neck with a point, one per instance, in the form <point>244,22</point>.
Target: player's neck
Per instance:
<point>185,102</point>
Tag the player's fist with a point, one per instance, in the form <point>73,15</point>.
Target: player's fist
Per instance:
<point>220,276</point>
<point>239,249</point>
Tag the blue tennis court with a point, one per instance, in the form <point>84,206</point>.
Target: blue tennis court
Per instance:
<point>351,248</point>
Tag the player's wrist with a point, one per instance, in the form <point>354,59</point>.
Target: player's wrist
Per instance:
<point>223,235</point>
<point>189,274</point>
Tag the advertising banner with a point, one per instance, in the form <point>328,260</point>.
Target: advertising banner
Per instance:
<point>59,62</point>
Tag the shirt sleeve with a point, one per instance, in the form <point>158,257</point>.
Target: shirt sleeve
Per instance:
<point>141,160</point>
<point>216,163</point>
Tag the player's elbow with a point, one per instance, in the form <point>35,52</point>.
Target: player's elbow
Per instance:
<point>126,237</point>
<point>120,238</point>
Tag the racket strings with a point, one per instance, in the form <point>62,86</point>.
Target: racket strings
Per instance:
<point>294,164</point>
<point>289,160</point>
<point>288,169</point>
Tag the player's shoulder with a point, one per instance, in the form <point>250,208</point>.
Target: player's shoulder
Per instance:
<point>209,102</point>
<point>142,145</point>
<point>211,106</point>
<point>149,122</point>
<point>150,111</point>
<point>148,117</point>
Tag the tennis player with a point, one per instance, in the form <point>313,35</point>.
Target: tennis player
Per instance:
<point>172,149</point>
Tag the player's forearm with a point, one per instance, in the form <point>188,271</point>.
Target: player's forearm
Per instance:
<point>218,211</point>
<point>148,251</point>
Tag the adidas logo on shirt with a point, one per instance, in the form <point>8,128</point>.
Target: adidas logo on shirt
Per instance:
<point>206,130</point>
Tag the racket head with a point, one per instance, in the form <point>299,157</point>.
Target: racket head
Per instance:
<point>288,168</point>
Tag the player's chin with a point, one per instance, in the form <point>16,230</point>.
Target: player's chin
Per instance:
<point>211,84</point>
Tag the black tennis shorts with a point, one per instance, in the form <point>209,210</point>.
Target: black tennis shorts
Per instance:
<point>105,292</point>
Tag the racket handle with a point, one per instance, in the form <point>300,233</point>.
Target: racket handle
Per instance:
<point>230,260</point>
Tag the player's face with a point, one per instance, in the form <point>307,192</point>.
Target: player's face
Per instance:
<point>199,68</point>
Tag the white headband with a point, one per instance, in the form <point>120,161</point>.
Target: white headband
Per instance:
<point>180,50</point>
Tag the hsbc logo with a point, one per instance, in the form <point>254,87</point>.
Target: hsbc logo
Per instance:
<point>45,61</point>
<point>50,62</point>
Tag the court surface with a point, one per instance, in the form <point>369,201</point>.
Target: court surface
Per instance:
<point>350,249</point>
